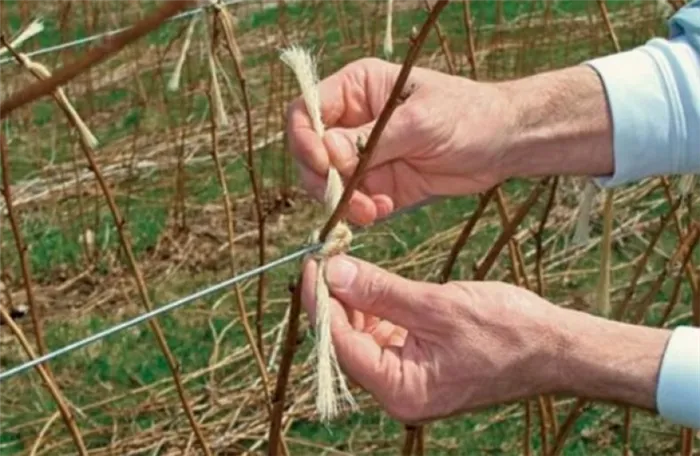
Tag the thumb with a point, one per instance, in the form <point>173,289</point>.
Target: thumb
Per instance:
<point>367,288</point>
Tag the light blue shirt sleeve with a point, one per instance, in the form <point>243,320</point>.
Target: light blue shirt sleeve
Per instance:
<point>653,95</point>
<point>678,387</point>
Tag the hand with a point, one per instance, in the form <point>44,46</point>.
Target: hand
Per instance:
<point>426,351</point>
<point>447,138</point>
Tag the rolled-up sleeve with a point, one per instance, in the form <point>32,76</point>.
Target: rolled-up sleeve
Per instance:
<point>678,388</point>
<point>653,95</point>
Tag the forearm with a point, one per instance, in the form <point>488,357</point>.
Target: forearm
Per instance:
<point>619,118</point>
<point>610,361</point>
<point>562,125</point>
<point>649,368</point>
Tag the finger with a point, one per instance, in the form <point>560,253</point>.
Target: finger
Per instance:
<point>386,333</point>
<point>384,205</point>
<point>376,368</point>
<point>362,209</point>
<point>367,288</point>
<point>350,97</point>
<point>343,144</point>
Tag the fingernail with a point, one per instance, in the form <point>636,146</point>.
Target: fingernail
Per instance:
<point>340,272</point>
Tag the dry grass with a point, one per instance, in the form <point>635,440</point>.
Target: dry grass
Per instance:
<point>155,155</point>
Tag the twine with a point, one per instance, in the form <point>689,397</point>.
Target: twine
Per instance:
<point>331,386</point>
<point>44,72</point>
<point>33,29</point>
<point>583,219</point>
<point>388,41</point>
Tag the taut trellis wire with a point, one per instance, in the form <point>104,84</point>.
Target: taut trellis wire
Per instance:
<point>6,374</point>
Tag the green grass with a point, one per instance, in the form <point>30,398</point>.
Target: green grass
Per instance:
<point>131,359</point>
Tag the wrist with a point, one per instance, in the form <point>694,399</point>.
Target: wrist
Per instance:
<point>609,361</point>
<point>562,125</point>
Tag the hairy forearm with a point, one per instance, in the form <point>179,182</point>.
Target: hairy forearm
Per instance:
<point>610,361</point>
<point>562,125</point>
<point>618,118</point>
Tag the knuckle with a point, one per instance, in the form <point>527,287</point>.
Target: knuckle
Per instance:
<point>371,62</point>
<point>377,287</point>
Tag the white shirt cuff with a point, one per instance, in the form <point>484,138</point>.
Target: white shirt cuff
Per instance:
<point>653,95</point>
<point>678,389</point>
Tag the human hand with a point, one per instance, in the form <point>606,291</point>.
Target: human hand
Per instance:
<point>446,138</point>
<point>426,351</point>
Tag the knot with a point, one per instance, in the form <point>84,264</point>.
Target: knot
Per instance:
<point>338,241</point>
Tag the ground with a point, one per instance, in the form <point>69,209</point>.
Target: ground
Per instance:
<point>155,153</point>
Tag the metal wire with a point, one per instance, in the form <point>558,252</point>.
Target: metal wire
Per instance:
<point>4,375</point>
<point>91,38</point>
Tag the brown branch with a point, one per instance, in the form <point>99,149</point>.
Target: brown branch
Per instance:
<point>674,267</point>
<point>546,403</point>
<point>290,344</point>
<point>567,426</point>
<point>643,260</point>
<point>508,231</point>
<point>539,251</point>
<point>227,24</point>
<point>120,224</point>
<point>603,292</point>
<point>240,301</point>
<point>444,44</point>
<point>543,411</point>
<point>409,441</point>
<point>22,249</point>
<point>514,251</point>
<point>626,433</point>
<point>673,301</point>
<point>471,49</point>
<point>110,47</point>
<point>687,442</point>
<point>391,104</point>
<point>464,235</point>
<point>690,268</point>
<point>608,25</point>
<point>527,435</point>
<point>44,371</point>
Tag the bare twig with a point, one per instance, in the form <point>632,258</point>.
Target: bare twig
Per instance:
<point>469,28</point>
<point>464,235</point>
<point>290,344</point>
<point>7,319</point>
<point>383,119</point>
<point>120,224</point>
<point>22,249</point>
<point>232,46</point>
<point>508,231</point>
<point>642,262</point>
<point>111,46</point>
<point>240,301</point>
<point>576,411</point>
